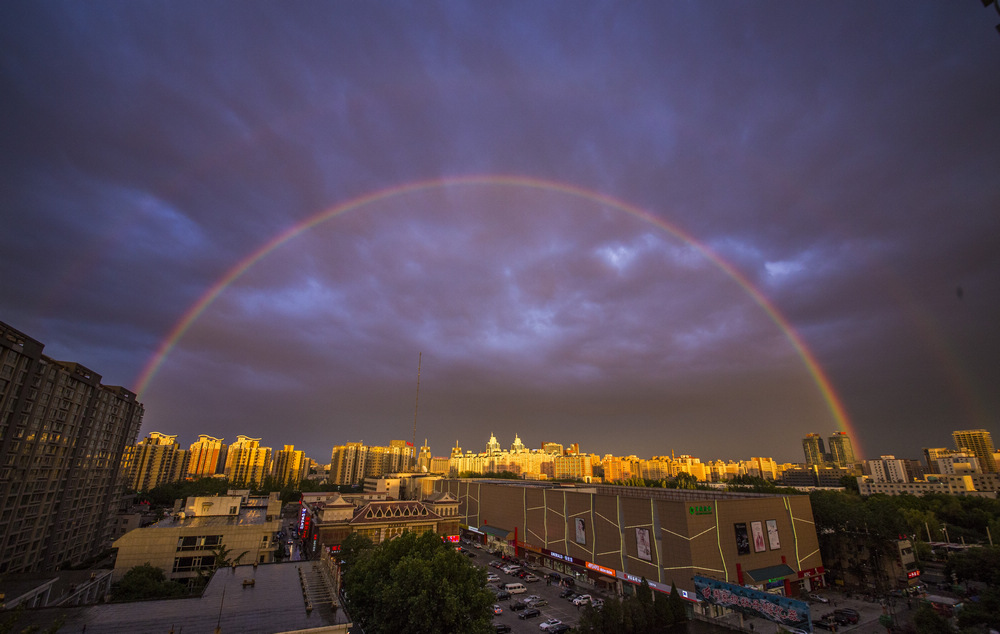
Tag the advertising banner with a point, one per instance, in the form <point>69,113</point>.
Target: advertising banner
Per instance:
<point>581,532</point>
<point>757,529</point>
<point>642,544</point>
<point>742,539</point>
<point>773,607</point>
<point>772,534</point>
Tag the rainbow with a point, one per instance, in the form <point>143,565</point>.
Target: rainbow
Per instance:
<point>194,312</point>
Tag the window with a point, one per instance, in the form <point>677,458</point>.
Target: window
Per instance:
<point>199,542</point>
<point>189,564</point>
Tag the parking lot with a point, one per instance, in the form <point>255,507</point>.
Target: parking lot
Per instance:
<point>556,608</point>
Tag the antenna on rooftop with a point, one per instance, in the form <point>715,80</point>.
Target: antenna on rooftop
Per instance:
<point>416,405</point>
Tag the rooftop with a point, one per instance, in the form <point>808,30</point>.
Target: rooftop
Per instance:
<point>273,604</point>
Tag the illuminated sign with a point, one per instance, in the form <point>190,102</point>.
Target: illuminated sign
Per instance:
<point>335,548</point>
<point>302,519</point>
<point>451,538</point>
<point>600,569</point>
<point>913,574</point>
<point>704,509</point>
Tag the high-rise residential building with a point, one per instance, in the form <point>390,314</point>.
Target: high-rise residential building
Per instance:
<point>62,438</point>
<point>206,455</point>
<point>841,450</point>
<point>550,447</point>
<point>154,461</point>
<point>572,468</point>
<point>347,463</point>
<point>979,443</point>
<point>289,466</point>
<point>888,469</point>
<point>812,447</point>
<point>247,462</point>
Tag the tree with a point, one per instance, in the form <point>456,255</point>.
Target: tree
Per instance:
<point>927,621</point>
<point>146,582</point>
<point>415,584</point>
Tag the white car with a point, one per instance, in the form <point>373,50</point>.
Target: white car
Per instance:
<point>583,599</point>
<point>549,624</point>
<point>818,597</point>
<point>491,578</point>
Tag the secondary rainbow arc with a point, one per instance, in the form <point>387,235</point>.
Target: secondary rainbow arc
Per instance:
<point>192,314</point>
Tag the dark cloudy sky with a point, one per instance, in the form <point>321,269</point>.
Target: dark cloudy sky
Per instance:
<point>841,157</point>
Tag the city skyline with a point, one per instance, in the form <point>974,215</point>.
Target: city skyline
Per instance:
<point>706,229</point>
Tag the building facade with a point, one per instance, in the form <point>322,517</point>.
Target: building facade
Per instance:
<point>62,438</point>
<point>616,536</point>
<point>841,450</point>
<point>185,545</point>
<point>289,466</point>
<point>813,449</point>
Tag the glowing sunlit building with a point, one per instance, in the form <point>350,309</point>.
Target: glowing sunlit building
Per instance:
<point>812,447</point>
<point>62,438</point>
<point>206,454</point>
<point>154,461</point>
<point>841,450</point>
<point>979,442</point>
<point>289,466</point>
<point>247,462</point>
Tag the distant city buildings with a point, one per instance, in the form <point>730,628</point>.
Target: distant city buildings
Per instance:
<point>208,457</point>
<point>62,438</point>
<point>352,462</point>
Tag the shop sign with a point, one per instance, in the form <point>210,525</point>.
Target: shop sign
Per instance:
<point>302,518</point>
<point>601,569</point>
<point>701,509</point>
<point>561,557</point>
<point>913,574</point>
<point>451,538</point>
<point>773,607</point>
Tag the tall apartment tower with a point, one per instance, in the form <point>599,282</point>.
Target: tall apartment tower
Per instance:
<point>812,447</point>
<point>347,463</point>
<point>424,458</point>
<point>979,443</point>
<point>154,461</point>
<point>62,438</point>
<point>841,450</point>
<point>247,462</point>
<point>289,466</point>
<point>205,456</point>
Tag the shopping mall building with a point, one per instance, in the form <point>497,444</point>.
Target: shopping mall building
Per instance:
<point>613,537</point>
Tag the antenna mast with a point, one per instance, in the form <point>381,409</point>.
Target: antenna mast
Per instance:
<point>416,405</point>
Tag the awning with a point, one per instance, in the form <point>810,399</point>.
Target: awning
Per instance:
<point>771,572</point>
<point>499,533</point>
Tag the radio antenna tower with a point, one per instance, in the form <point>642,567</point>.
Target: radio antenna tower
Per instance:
<point>416,406</point>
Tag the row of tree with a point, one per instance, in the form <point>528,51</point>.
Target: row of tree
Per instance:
<point>645,612</point>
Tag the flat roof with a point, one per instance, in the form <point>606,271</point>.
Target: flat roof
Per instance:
<point>273,604</point>
<point>247,516</point>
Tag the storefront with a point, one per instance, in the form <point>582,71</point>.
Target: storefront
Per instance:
<point>499,540</point>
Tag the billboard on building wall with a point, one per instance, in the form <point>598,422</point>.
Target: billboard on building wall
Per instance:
<point>772,534</point>
<point>642,544</point>
<point>757,528</point>
<point>581,531</point>
<point>773,607</point>
<point>742,539</point>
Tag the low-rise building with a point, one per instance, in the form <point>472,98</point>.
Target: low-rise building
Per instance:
<point>968,484</point>
<point>186,545</point>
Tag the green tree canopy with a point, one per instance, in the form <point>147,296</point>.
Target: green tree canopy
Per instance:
<point>417,584</point>
<point>146,582</point>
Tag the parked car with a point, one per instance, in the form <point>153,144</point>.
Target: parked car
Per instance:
<point>559,629</point>
<point>819,597</point>
<point>517,606</point>
<point>566,593</point>
<point>583,599</point>
<point>503,595</point>
<point>497,609</point>
<point>537,603</point>
<point>822,624</point>
<point>502,628</point>
<point>597,603</point>
<point>549,624</point>
<point>492,578</point>
<point>530,578</point>
<point>851,616</point>
<point>530,613</point>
